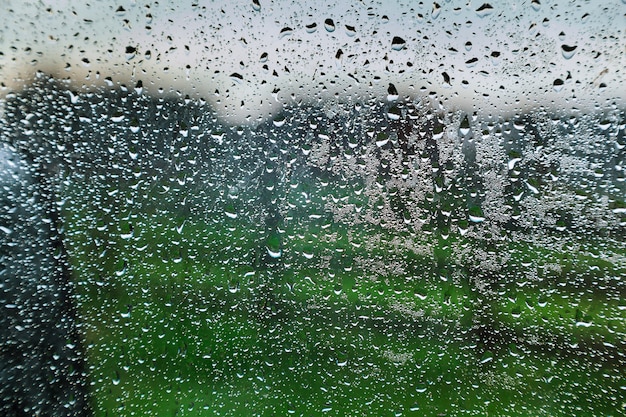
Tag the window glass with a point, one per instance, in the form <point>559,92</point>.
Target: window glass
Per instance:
<point>276,208</point>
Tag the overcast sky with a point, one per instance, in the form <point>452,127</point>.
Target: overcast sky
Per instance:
<point>491,58</point>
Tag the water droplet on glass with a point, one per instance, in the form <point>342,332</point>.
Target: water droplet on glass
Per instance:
<point>392,93</point>
<point>130,52</point>
<point>382,139</point>
<point>557,85</point>
<point>311,28</point>
<point>436,10</point>
<point>286,31</point>
<point>235,76</point>
<point>394,113</point>
<point>329,25</point>
<point>568,51</point>
<point>487,357</point>
<point>446,78</point>
<point>485,10</point>
<point>464,128</point>
<point>397,43</point>
<point>604,124</point>
<point>256,5</point>
<point>279,121</point>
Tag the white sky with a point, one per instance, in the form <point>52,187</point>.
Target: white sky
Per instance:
<point>196,49</point>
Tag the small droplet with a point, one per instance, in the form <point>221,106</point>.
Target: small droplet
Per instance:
<point>350,30</point>
<point>311,28</point>
<point>256,6</point>
<point>535,4</point>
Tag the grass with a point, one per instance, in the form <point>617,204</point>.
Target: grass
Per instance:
<point>190,316</point>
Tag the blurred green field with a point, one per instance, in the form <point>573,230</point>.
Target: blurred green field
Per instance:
<point>191,316</point>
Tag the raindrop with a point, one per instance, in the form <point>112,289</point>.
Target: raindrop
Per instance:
<point>392,93</point>
<point>397,43</point>
<point>329,25</point>
<point>465,126</point>
<point>256,5</point>
<point>471,62</point>
<point>446,78</point>
<point>235,76</point>
<point>557,85</point>
<point>286,31</point>
<point>350,30</point>
<point>279,121</point>
<point>139,87</point>
<point>604,124</point>
<point>476,215</point>
<point>230,212</point>
<point>535,4</point>
<point>381,140</point>
<point>568,51</point>
<point>485,10</point>
<point>394,113</point>
<point>436,10</point>
<point>273,253</point>
<point>130,52</point>
<point>487,357</point>
<point>311,28</point>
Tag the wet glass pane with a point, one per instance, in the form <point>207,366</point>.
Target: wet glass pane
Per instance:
<point>283,208</point>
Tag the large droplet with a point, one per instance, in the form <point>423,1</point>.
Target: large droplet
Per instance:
<point>485,10</point>
<point>392,93</point>
<point>568,51</point>
<point>397,43</point>
<point>286,31</point>
<point>329,25</point>
<point>436,10</point>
